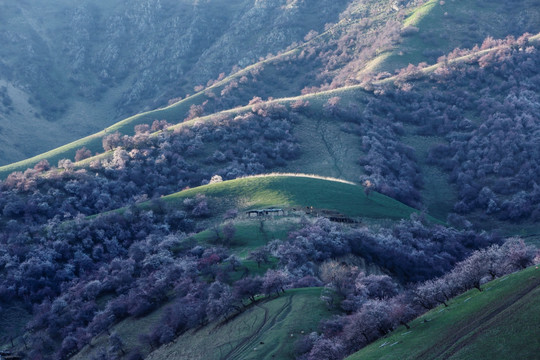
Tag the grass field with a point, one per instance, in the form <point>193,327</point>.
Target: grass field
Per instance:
<point>297,191</point>
<point>266,330</point>
<point>446,25</point>
<point>499,323</point>
<point>253,233</point>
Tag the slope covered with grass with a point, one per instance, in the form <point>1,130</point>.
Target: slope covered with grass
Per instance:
<point>500,322</point>
<point>76,68</point>
<point>437,27</point>
<point>267,329</point>
<point>298,191</point>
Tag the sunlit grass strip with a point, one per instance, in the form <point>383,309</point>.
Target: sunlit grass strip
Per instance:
<point>420,13</point>
<point>311,176</point>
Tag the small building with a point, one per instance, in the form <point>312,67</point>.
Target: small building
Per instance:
<point>265,212</point>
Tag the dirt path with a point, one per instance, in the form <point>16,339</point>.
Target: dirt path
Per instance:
<point>470,329</point>
<point>321,130</point>
<point>267,323</point>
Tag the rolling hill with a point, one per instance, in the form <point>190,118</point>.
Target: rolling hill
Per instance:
<point>297,191</point>
<point>356,152</point>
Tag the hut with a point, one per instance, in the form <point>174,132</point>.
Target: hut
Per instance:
<point>265,212</point>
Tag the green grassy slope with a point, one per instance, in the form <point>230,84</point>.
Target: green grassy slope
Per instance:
<point>173,113</point>
<point>267,330</point>
<point>446,25</point>
<point>289,191</point>
<point>250,234</point>
<point>499,323</point>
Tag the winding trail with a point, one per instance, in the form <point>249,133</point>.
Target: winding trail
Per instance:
<point>321,130</point>
<point>268,322</point>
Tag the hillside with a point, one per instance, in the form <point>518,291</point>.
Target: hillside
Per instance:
<point>96,90</point>
<point>268,329</point>
<point>297,191</point>
<point>85,66</point>
<point>436,28</point>
<point>498,323</point>
<point>302,179</point>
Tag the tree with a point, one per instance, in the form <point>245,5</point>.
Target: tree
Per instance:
<point>259,256</point>
<point>274,281</point>
<point>116,344</point>
<point>518,255</point>
<point>69,346</point>
<point>216,179</point>
<point>111,141</point>
<point>341,276</point>
<point>247,288</point>
<point>471,272</point>
<point>402,311</point>
<point>378,286</point>
<point>228,232</point>
<point>65,164</point>
<point>42,165</point>
<point>428,295</point>
<point>220,300</point>
<point>328,349</point>
<point>234,261</point>
<point>332,105</point>
<point>195,111</point>
<point>82,153</point>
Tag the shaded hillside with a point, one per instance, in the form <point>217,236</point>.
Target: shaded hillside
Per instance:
<point>83,66</point>
<point>92,83</point>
